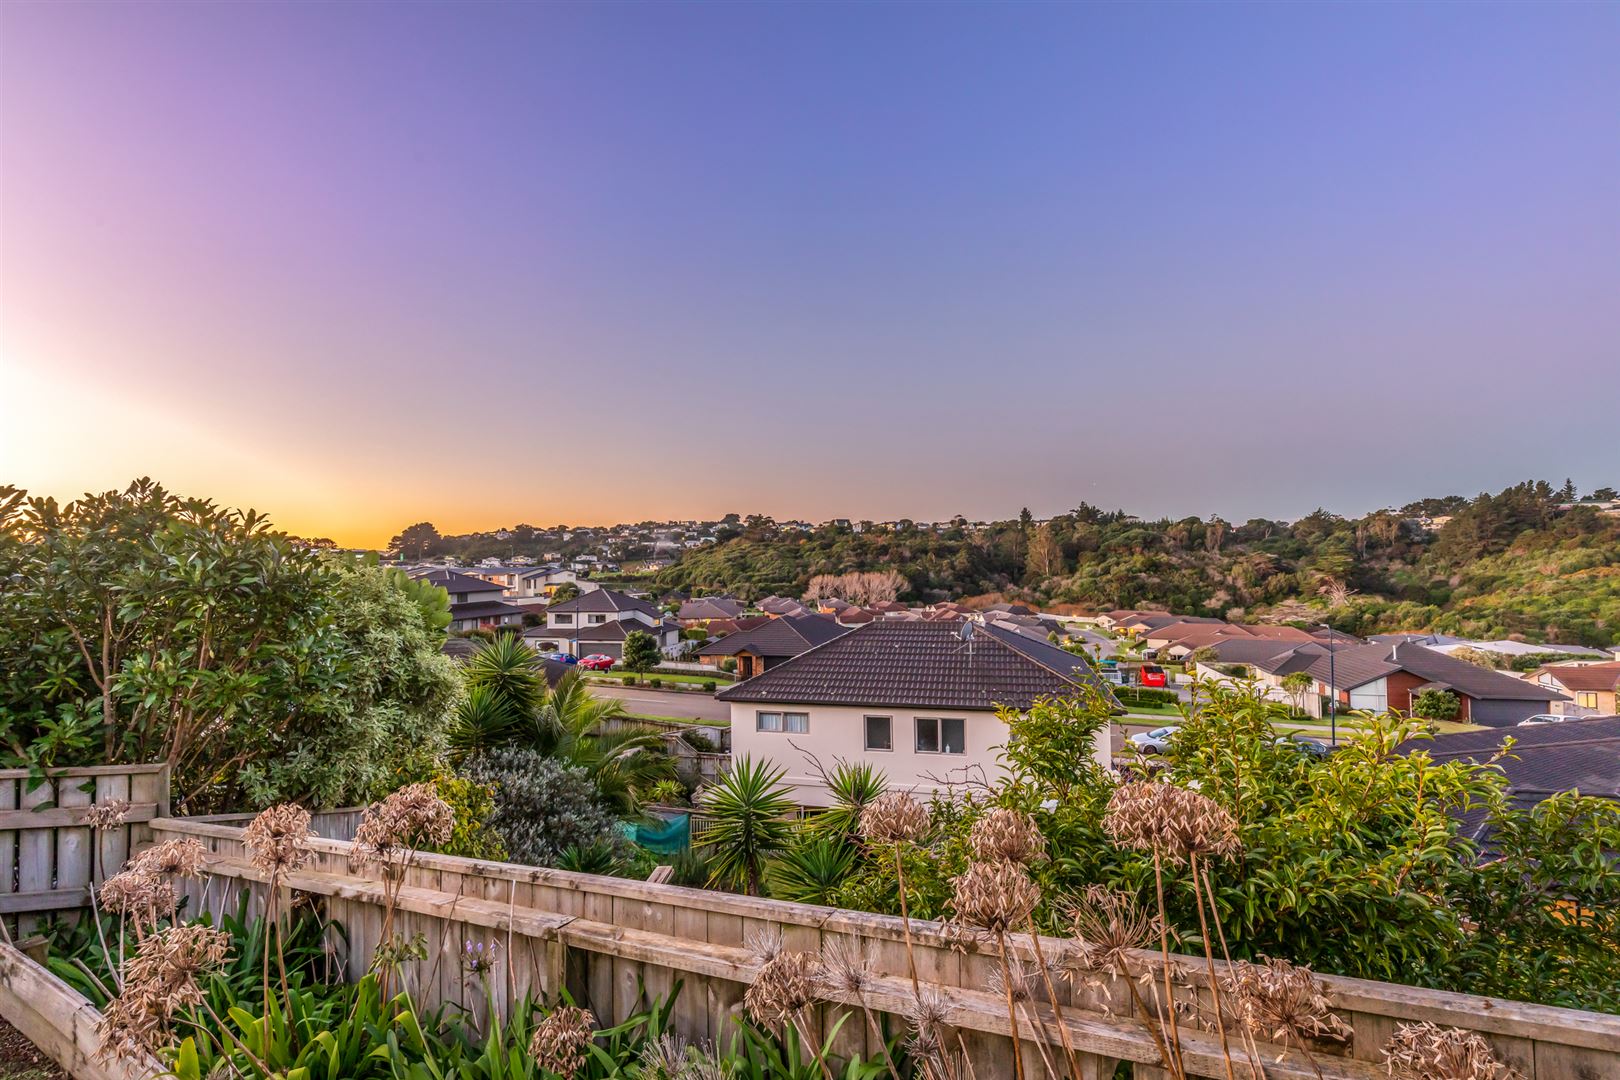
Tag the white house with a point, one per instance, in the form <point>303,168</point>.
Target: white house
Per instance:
<point>914,699</point>
<point>598,622</point>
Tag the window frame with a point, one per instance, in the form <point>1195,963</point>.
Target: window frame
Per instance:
<point>783,720</point>
<point>939,723</point>
<point>866,733</point>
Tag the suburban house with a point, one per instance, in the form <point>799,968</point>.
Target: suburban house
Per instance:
<point>475,604</point>
<point>914,698</point>
<point>1382,677</point>
<point>1593,688</point>
<point>599,621</point>
<point>546,580</point>
<point>782,605</point>
<point>1578,755</point>
<point>699,610</point>
<point>762,648</point>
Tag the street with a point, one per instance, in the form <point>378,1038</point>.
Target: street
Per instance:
<point>684,705</point>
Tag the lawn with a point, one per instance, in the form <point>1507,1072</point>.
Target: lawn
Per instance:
<point>684,721</point>
<point>641,680</point>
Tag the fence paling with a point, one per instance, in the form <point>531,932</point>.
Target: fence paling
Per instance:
<point>49,859</point>
<point>604,934</point>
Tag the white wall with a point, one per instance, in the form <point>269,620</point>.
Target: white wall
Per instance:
<point>838,732</point>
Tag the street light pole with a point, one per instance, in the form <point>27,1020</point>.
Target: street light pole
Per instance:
<point>1333,691</point>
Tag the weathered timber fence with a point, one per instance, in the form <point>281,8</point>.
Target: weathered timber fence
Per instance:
<point>605,938</point>
<point>47,863</point>
<point>61,1022</point>
<point>337,824</point>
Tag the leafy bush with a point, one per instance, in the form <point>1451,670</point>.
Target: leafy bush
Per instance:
<point>473,805</point>
<point>641,652</point>
<point>708,684</point>
<point>1436,705</point>
<point>629,680</point>
<point>542,807</point>
<point>655,682</point>
<point>1144,695</point>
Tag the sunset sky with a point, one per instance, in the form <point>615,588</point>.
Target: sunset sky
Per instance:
<point>360,265</point>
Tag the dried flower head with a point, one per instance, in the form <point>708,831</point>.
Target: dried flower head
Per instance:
<point>561,1038</point>
<point>107,815</point>
<point>1108,927</point>
<point>1015,981</point>
<point>847,964</point>
<point>183,857</point>
<point>1282,1003</point>
<point>764,942</point>
<point>1005,835</point>
<point>410,818</point>
<point>996,896</point>
<point>926,1013</point>
<point>140,895</point>
<point>784,987</point>
<point>278,839</point>
<point>1174,822</point>
<point>1428,1052</point>
<point>670,1057</point>
<point>160,981</point>
<point>894,817</point>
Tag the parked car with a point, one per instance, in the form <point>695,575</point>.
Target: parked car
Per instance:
<point>597,662</point>
<point>1152,675</point>
<point>1544,718</point>
<point>1156,741</point>
<point>561,657</point>
<point>1306,744</point>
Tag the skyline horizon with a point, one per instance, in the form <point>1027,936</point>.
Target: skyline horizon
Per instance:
<point>378,540</point>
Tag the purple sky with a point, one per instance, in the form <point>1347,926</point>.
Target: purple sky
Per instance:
<point>364,264</point>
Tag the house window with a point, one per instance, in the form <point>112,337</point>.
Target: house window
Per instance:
<point>1586,700</point>
<point>596,620</point>
<point>936,735</point>
<point>880,733</point>
<point>564,620</point>
<point>792,723</point>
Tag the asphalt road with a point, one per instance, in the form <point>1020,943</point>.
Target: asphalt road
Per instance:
<point>686,705</point>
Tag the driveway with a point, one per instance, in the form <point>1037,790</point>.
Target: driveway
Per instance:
<point>683,704</point>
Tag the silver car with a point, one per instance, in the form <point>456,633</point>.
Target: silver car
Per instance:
<point>1156,741</point>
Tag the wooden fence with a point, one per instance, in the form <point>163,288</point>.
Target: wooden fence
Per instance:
<point>47,864</point>
<point>606,938</point>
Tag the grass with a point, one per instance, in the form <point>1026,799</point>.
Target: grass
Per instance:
<point>685,721</point>
<point>719,680</point>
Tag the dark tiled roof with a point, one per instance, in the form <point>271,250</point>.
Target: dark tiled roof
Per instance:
<point>1361,664</point>
<point>788,636</point>
<point>1257,651</point>
<point>918,664</point>
<point>781,605</point>
<point>601,601</point>
<point>1584,676</point>
<point>485,609</point>
<point>454,582</point>
<point>712,607</point>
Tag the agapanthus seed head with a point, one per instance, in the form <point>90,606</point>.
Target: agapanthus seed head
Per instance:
<point>107,815</point>
<point>894,817</point>
<point>994,896</point>
<point>1005,835</point>
<point>1108,928</point>
<point>181,857</point>
<point>140,895</point>
<point>159,982</point>
<point>1014,981</point>
<point>410,818</point>
<point>1429,1052</point>
<point>1282,1002</point>
<point>1151,815</point>
<point>560,1040</point>
<point>278,839</point>
<point>847,964</point>
<point>765,942</point>
<point>784,987</point>
<point>926,1013</point>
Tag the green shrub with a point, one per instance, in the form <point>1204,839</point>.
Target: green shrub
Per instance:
<point>1144,695</point>
<point>473,805</point>
<point>542,807</point>
<point>629,680</point>
<point>1436,705</point>
<point>708,684</point>
<point>655,682</point>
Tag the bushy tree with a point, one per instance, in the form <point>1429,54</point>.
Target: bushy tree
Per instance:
<point>641,652</point>
<point>1436,705</point>
<point>543,807</point>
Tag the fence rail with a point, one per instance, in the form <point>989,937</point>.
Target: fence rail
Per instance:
<point>48,860</point>
<point>604,938</point>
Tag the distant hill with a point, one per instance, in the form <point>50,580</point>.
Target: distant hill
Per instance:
<point>1520,563</point>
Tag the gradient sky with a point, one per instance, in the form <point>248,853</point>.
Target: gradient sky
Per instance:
<point>364,264</point>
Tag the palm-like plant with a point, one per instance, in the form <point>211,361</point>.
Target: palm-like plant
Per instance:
<point>749,808</point>
<point>483,721</point>
<point>511,671</point>
<point>852,785</point>
<point>625,764</point>
<point>811,871</point>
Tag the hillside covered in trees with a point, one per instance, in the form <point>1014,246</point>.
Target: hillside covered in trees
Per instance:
<point>1521,563</point>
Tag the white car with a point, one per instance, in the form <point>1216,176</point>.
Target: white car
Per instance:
<point>1544,718</point>
<point>1156,741</point>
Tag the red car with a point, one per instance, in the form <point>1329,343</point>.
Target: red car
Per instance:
<point>1152,675</point>
<point>597,662</point>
